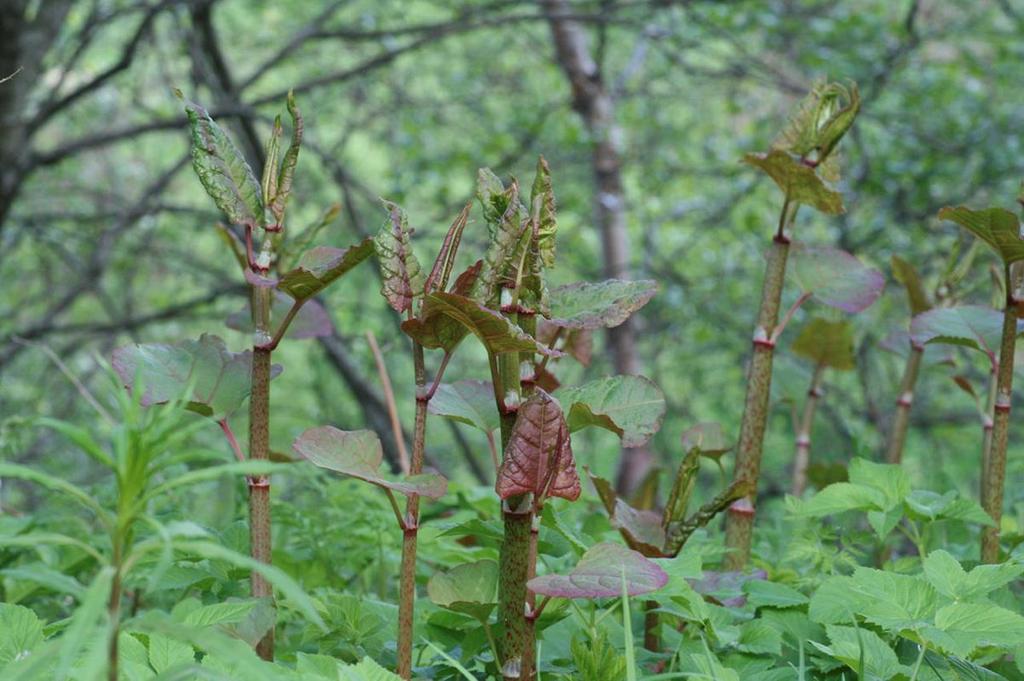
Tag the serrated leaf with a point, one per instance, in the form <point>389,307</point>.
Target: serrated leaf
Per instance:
<point>852,646</point>
<point>165,652</point>
<point>401,276</point>
<point>226,612</point>
<point>311,321</point>
<point>220,379</point>
<point>319,267</point>
<point>759,638</point>
<point>20,632</point>
<point>538,458</point>
<point>997,227</point>
<point>593,305</point>
<point>945,573</point>
<point>470,402</point>
<point>366,670</point>
<point>972,326</point>
<point>471,588</point>
<point>827,343</point>
<point>971,625</point>
<point>890,479</point>
<point>222,170</point>
<point>632,407</point>
<point>835,278</point>
<point>599,574</point>
<point>838,498</point>
<point>949,506</point>
<point>907,275</point>
<point>762,593</point>
<point>797,180</point>
<point>358,453</point>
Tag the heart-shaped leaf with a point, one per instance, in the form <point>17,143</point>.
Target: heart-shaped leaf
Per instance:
<point>312,320</point>
<point>319,267</point>
<point>469,402</point>
<point>997,227</point>
<point>538,458</point>
<point>797,180</point>
<point>972,326</point>
<point>907,274</point>
<point>708,438</point>
<point>630,406</point>
<point>220,379</point>
<point>471,588</point>
<point>827,343</point>
<point>402,277</point>
<point>600,574</point>
<point>358,453</point>
<point>835,278</point>
<point>586,305</point>
<point>222,169</point>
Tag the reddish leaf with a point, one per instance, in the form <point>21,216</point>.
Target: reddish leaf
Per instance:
<point>400,270</point>
<point>319,267</point>
<point>601,573</point>
<point>835,278</point>
<point>538,459</point>
<point>442,269</point>
<point>642,530</point>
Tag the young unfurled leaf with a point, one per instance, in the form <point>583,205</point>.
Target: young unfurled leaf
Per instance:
<point>435,329</point>
<point>510,233</point>
<point>471,588</point>
<point>835,278</point>
<point>577,343</point>
<point>220,379</point>
<point>820,120</point>
<point>358,453</point>
<point>283,184</point>
<point>311,321</point>
<point>630,406</point>
<point>445,262</point>
<point>469,402</point>
<point>907,274</point>
<point>797,180</point>
<point>600,574</point>
<point>399,268</point>
<point>997,227</point>
<point>586,305</point>
<point>827,343</point>
<point>972,326</point>
<point>319,267</point>
<point>222,169</point>
<point>682,488</point>
<point>708,438</point>
<point>542,206</point>
<point>538,458</point>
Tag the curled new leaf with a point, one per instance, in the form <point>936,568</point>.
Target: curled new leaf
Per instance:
<point>469,402</point>
<point>826,343</point>
<point>471,588</point>
<point>972,326</point>
<point>542,208</point>
<point>601,573</point>
<point>399,268</point>
<point>632,407</point>
<point>997,227</point>
<point>283,183</point>
<point>319,267</point>
<point>820,121</point>
<point>835,278</point>
<point>586,305</point>
<point>797,180</point>
<point>358,453</point>
<point>220,380</point>
<point>222,169</point>
<point>445,261</point>
<point>538,458</point>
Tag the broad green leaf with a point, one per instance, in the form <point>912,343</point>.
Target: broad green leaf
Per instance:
<point>891,480</point>
<point>827,343</point>
<point>469,402</point>
<point>632,407</point>
<point>835,278</point>
<point>358,453</point>
<point>586,305</point>
<point>708,438</point>
<point>20,632</point>
<point>797,180</point>
<point>837,498</point>
<point>366,670</point>
<point>972,326</point>
<point>538,457</point>
<point>997,227</point>
<point>222,169</point>
<point>224,612</point>
<point>471,588</point>
<point>401,275</point>
<point>831,603</point>
<point>759,638</point>
<point>321,266</point>
<point>893,601</point>
<point>850,645</point>
<point>933,506</point>
<point>165,652</point>
<point>600,573</point>
<point>907,274</point>
<point>945,573</point>
<point>762,593</point>
<point>220,380</point>
<point>971,625</point>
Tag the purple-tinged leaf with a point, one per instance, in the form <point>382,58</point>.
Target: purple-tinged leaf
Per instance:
<point>538,458</point>
<point>258,280</point>
<point>708,438</point>
<point>469,402</point>
<point>972,326</point>
<point>907,274</point>
<point>643,531</point>
<point>898,343</point>
<point>797,180</point>
<point>470,588</point>
<point>445,261</point>
<point>319,267</point>
<point>835,278</point>
<point>727,587</point>
<point>827,343</point>
<point>312,320</point>
<point>997,227</point>
<point>465,282</point>
<point>601,573</point>
<point>577,343</point>
<point>282,184</point>
<point>586,305</point>
<point>632,407</point>
<point>357,453</point>
<point>220,380</point>
<point>399,268</point>
<point>509,231</point>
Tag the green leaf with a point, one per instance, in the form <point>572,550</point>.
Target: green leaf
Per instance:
<point>587,305</point>
<point>972,326</point>
<point>827,343</point>
<point>358,453</point>
<point>283,183</point>
<point>366,670</point>
<point>632,407</point>
<point>401,275</point>
<point>46,576</point>
<point>759,638</point>
<point>969,626</point>
<point>850,646</point>
<point>220,380</point>
<point>891,480</point>
<point>13,470</point>
<point>165,652</point>
<point>600,573</point>
<point>893,601</point>
<point>762,593</point>
<point>542,205</point>
<point>88,616</point>
<point>319,267</point>
<point>835,278</point>
<point>220,613</point>
<point>907,274</point>
<point>797,180</point>
<point>80,437</point>
<point>948,506</point>
<point>225,175</point>
<point>837,498</point>
<point>20,632</point>
<point>997,227</point>
<point>945,573</point>
<point>471,588</point>
<point>469,402</point>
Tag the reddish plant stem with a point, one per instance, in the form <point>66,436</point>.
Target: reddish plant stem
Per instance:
<point>802,458</point>
<point>232,440</point>
<point>987,414</point>
<point>389,400</point>
<point>259,486</point>
<point>901,421</point>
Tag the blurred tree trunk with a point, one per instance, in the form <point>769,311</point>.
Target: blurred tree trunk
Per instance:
<point>593,101</point>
